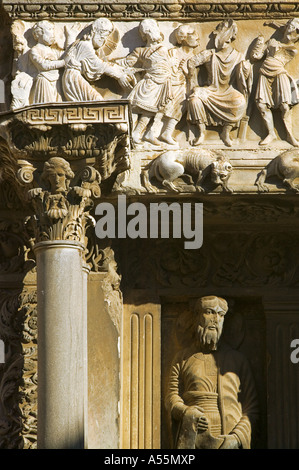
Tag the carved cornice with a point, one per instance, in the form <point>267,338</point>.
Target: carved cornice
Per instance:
<point>159,10</point>
<point>72,130</point>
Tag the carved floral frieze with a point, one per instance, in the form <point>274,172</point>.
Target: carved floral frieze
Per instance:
<point>227,260</point>
<point>190,10</point>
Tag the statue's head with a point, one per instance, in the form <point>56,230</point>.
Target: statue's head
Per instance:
<point>291,30</point>
<point>100,30</point>
<point>57,173</point>
<point>44,32</point>
<point>150,32</point>
<point>210,312</point>
<point>186,35</point>
<point>225,33</point>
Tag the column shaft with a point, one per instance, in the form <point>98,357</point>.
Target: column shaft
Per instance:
<point>60,345</point>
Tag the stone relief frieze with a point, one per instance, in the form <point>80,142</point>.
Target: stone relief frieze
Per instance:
<point>179,85</point>
<point>170,165</point>
<point>226,260</point>
<point>276,88</point>
<point>224,101</point>
<point>285,167</point>
<point>156,86</point>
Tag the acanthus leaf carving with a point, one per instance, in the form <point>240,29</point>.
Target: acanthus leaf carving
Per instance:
<point>61,208</point>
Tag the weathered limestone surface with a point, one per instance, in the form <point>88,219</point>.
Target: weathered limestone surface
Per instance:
<point>185,102</point>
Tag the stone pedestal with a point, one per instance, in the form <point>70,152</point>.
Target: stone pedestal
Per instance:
<point>60,354</point>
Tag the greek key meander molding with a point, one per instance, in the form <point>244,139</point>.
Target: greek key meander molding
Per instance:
<point>69,114</point>
<point>63,11</point>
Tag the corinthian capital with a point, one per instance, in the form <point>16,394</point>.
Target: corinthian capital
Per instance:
<point>61,199</point>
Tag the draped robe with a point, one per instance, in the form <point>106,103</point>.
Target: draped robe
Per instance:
<point>82,66</point>
<point>275,85</point>
<point>154,91</point>
<point>221,383</point>
<point>221,102</point>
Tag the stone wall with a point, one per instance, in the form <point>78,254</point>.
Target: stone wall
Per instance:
<point>167,102</point>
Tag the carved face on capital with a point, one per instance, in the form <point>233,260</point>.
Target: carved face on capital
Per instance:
<point>210,312</point>
<point>57,173</point>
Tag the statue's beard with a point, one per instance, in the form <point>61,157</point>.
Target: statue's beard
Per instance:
<point>208,338</point>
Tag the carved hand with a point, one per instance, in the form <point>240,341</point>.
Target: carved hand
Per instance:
<point>199,420</point>
<point>202,424</point>
<point>230,442</point>
<point>127,81</point>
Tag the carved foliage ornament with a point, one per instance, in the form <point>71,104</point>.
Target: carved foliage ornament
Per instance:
<point>138,10</point>
<point>226,260</point>
<point>62,202</point>
<point>18,376</point>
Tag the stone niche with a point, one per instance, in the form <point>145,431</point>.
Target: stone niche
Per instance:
<point>161,102</point>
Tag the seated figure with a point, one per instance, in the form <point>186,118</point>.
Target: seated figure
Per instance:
<point>224,101</point>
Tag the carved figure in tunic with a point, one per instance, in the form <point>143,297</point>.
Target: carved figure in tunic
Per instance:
<point>22,80</point>
<point>224,101</point>
<point>211,395</point>
<point>276,88</point>
<point>154,91</point>
<point>46,59</point>
<point>84,66</point>
<point>187,40</point>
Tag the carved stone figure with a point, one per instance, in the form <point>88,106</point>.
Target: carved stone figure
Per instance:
<point>173,164</point>
<point>46,57</point>
<point>22,80</point>
<point>223,102</point>
<point>211,396</point>
<point>285,166</point>
<point>276,88</point>
<point>187,40</point>
<point>84,66</point>
<point>154,91</point>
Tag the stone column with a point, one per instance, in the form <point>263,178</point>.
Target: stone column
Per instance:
<point>61,345</point>
<point>61,219</point>
<point>85,273</point>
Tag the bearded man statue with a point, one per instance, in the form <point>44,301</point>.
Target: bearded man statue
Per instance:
<point>211,397</point>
